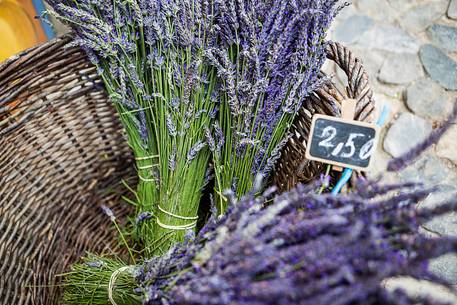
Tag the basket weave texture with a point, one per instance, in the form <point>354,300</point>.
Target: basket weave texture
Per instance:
<point>62,149</point>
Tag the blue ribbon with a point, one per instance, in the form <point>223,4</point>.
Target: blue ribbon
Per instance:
<point>40,9</point>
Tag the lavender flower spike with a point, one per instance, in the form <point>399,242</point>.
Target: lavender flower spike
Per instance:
<point>194,150</point>
<point>143,217</point>
<point>108,212</point>
<point>302,249</point>
<point>96,264</point>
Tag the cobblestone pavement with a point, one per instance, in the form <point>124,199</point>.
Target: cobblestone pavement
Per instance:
<point>409,48</point>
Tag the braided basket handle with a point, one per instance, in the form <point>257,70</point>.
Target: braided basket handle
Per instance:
<point>293,167</point>
<point>358,86</point>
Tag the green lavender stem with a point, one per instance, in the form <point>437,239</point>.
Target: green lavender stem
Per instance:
<point>88,283</point>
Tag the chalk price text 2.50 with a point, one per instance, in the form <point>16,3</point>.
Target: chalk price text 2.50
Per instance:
<point>348,149</point>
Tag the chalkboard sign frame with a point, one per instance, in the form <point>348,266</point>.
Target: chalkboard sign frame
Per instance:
<point>312,137</point>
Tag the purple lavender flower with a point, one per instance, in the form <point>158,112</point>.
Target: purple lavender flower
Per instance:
<point>142,126</point>
<point>172,159</point>
<point>171,126</point>
<point>143,217</point>
<point>220,138</point>
<point>135,78</point>
<point>175,103</point>
<point>96,264</point>
<point>210,140</point>
<point>194,150</point>
<point>303,249</point>
<point>108,212</point>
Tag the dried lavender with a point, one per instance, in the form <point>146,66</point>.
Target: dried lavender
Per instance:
<point>90,281</point>
<point>151,56</point>
<point>300,248</point>
<point>268,60</point>
<point>198,76</point>
<point>108,212</point>
<point>303,249</point>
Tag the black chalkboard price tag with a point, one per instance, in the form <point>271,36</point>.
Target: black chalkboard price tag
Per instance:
<point>341,142</point>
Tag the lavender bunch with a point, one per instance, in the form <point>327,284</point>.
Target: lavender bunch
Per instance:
<point>268,59</point>
<point>152,58</point>
<point>303,249</point>
<point>90,282</point>
<point>192,78</point>
<point>298,248</point>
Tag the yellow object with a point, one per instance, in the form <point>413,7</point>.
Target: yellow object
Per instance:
<point>18,29</point>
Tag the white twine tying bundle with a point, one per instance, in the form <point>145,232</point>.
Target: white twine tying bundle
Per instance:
<point>146,158</point>
<point>176,216</point>
<point>113,278</point>
<point>136,110</point>
<point>177,227</point>
<point>148,166</point>
<point>147,179</point>
<point>151,166</point>
<point>188,226</point>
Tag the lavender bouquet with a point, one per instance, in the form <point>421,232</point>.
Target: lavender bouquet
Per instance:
<point>268,58</point>
<point>302,248</point>
<point>195,80</point>
<point>152,58</point>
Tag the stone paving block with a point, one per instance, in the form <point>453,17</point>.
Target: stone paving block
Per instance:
<point>350,30</point>
<point>400,69</point>
<point>445,267</point>
<point>389,38</point>
<point>428,170</point>
<point>439,66</point>
<point>428,99</point>
<point>421,16</point>
<point>452,10</point>
<point>444,225</point>
<point>443,36</point>
<point>405,133</point>
<point>380,10</point>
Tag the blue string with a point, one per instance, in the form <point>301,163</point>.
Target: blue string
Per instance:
<point>383,117</point>
<point>40,9</point>
<point>347,173</point>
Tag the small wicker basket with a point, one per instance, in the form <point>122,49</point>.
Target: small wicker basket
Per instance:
<point>63,148</point>
<point>293,167</point>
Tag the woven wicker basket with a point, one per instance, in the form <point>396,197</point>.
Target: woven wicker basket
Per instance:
<point>62,149</point>
<point>293,167</point>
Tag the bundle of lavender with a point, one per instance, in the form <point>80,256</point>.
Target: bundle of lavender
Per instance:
<point>195,80</point>
<point>302,248</point>
<point>269,55</point>
<point>151,56</point>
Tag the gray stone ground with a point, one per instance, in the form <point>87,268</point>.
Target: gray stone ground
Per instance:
<point>409,48</point>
